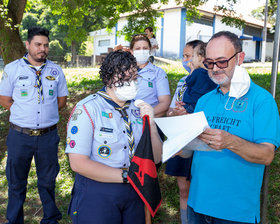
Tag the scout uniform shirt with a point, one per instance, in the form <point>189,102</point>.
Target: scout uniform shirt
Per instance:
<point>96,129</point>
<point>153,82</point>
<point>19,82</point>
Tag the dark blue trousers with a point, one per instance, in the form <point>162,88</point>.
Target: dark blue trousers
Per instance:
<point>95,202</point>
<point>21,149</point>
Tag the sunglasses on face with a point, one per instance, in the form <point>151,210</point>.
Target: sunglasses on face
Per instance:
<point>220,64</point>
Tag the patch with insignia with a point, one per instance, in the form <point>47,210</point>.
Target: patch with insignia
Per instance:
<point>23,77</point>
<point>104,151</point>
<point>76,113</point>
<point>51,92</point>
<point>4,75</point>
<point>54,72</point>
<point>51,78</point>
<point>108,115</point>
<point>150,84</point>
<point>23,92</point>
<point>109,130</point>
<point>74,130</point>
<point>136,113</point>
<point>139,120</point>
<point>72,143</point>
<point>68,140</point>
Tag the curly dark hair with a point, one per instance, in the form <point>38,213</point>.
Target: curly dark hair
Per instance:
<point>115,66</point>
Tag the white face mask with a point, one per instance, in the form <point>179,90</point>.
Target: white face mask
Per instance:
<point>240,82</point>
<point>141,56</point>
<point>127,92</point>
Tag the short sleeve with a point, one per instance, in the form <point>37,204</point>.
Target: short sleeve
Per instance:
<point>162,83</point>
<point>267,123</point>
<point>179,86</point>
<point>80,131</point>
<point>62,86</point>
<point>6,84</point>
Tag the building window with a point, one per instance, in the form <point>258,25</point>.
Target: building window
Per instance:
<point>103,43</point>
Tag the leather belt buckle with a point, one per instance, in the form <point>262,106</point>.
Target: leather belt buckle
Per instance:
<point>34,132</point>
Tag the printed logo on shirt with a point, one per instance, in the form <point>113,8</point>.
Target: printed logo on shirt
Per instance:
<point>240,105</point>
<point>23,92</point>
<point>150,84</point>
<point>76,113</point>
<point>104,151</point>
<point>108,115</point>
<point>54,72</point>
<point>51,92</point>
<point>109,130</point>
<point>51,78</point>
<point>23,77</point>
<point>136,113</point>
<point>74,130</point>
<point>72,144</point>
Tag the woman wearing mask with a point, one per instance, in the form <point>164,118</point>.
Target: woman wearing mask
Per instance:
<point>178,166</point>
<point>103,132</point>
<point>152,81</point>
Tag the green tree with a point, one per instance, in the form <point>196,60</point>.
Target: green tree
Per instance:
<point>79,17</point>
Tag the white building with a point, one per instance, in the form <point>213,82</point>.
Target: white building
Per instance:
<point>174,31</point>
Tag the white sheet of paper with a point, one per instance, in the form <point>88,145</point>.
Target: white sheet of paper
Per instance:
<point>181,132</point>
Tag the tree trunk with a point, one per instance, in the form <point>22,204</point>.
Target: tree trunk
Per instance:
<point>11,45</point>
<point>74,53</point>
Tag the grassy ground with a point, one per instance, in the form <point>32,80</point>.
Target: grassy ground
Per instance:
<point>82,82</point>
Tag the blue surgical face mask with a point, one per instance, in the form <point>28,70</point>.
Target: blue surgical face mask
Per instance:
<point>186,65</point>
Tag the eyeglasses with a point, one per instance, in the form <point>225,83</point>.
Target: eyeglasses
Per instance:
<point>220,64</point>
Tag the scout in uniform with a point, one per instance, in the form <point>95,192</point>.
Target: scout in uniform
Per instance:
<point>33,89</point>
<point>104,130</point>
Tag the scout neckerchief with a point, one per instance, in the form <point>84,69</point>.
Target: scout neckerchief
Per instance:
<point>125,117</point>
<point>38,78</point>
<point>181,92</point>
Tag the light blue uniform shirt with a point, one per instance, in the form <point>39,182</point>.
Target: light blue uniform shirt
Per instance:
<point>178,88</point>
<point>19,81</point>
<point>97,130</point>
<point>152,84</point>
<point>223,184</point>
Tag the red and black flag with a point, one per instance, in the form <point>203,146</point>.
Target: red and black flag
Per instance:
<point>142,173</point>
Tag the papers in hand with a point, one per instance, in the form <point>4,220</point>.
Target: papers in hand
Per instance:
<point>181,132</point>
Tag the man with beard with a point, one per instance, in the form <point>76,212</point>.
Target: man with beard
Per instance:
<point>245,131</point>
<point>33,89</point>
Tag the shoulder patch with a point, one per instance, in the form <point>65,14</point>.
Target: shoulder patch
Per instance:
<point>4,75</point>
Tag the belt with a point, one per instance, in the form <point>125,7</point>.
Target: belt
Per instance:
<point>32,132</point>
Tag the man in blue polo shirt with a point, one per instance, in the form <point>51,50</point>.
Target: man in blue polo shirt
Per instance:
<point>33,89</point>
<point>245,131</point>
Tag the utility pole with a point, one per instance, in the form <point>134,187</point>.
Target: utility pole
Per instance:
<point>264,33</point>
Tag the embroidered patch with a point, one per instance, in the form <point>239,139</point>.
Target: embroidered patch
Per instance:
<point>109,130</point>
<point>51,92</point>
<point>139,120</point>
<point>108,115</point>
<point>72,143</point>
<point>104,135</point>
<point>68,140</point>
<point>51,78</point>
<point>136,113</point>
<point>23,92</point>
<point>104,151</point>
<point>150,84</point>
<point>76,113</point>
<point>4,76</point>
<point>74,130</point>
<point>54,72</point>
<point>23,77</point>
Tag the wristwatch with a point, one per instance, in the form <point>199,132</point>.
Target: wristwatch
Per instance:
<point>124,176</point>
